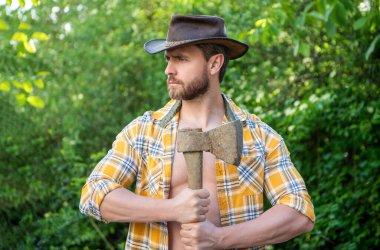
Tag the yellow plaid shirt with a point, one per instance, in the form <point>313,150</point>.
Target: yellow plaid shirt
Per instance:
<point>144,150</point>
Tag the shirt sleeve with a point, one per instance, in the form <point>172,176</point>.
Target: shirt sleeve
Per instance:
<point>283,183</point>
<point>117,169</point>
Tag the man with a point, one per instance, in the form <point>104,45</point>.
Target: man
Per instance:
<point>228,212</point>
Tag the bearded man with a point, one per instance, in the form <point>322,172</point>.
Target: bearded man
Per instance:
<point>227,213</point>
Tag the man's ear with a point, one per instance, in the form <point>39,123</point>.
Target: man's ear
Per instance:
<point>215,63</point>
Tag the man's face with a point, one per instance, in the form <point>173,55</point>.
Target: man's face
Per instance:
<point>187,73</point>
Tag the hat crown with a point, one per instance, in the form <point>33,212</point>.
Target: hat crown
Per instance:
<point>185,30</point>
<point>189,27</point>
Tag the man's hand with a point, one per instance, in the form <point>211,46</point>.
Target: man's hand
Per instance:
<point>191,205</point>
<point>202,235</point>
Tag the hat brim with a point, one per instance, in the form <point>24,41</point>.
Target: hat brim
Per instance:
<point>236,49</point>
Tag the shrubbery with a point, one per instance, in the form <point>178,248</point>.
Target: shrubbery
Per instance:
<point>312,73</point>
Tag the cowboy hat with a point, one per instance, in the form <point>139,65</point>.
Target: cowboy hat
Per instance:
<point>191,29</point>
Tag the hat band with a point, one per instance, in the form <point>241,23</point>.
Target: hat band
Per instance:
<point>174,43</point>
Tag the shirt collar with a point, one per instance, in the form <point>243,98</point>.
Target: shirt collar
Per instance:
<point>165,115</point>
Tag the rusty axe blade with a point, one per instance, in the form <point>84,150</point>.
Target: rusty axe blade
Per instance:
<point>225,142</point>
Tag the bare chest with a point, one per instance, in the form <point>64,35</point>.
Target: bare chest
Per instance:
<point>179,181</point>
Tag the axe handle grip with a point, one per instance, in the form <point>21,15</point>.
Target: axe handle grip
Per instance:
<point>194,165</point>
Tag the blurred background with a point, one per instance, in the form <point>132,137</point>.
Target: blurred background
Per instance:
<point>74,73</point>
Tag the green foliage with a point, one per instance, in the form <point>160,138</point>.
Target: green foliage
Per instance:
<point>72,74</point>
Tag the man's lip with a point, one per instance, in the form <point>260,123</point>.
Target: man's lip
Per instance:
<point>171,82</point>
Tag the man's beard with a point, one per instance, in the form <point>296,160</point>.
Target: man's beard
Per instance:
<point>194,89</point>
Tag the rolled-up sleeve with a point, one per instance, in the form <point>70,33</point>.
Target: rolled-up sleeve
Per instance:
<point>117,169</point>
<point>283,183</point>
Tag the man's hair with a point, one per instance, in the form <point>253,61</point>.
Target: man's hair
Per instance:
<point>209,50</point>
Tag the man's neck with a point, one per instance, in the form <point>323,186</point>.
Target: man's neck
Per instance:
<point>206,111</point>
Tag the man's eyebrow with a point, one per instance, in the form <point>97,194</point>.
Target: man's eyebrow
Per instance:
<point>175,55</point>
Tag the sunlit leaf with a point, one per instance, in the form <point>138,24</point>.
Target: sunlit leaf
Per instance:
<point>35,2</point>
<point>3,25</point>
<point>29,46</point>
<point>261,23</point>
<point>24,26</point>
<point>5,86</point>
<point>9,2</point>
<point>20,37</point>
<point>40,36</point>
<point>35,101</point>
<point>21,99</point>
<point>372,47</point>
<point>22,3</point>
<point>20,54</point>
<point>17,84</point>
<point>43,73</point>
<point>39,83</point>
<point>28,87</point>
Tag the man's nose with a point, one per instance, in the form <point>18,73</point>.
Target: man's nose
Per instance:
<point>170,69</point>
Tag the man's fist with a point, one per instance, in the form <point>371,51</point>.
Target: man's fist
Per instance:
<point>203,235</point>
<point>191,205</point>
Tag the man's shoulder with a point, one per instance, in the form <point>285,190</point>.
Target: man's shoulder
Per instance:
<point>151,119</point>
<point>253,122</point>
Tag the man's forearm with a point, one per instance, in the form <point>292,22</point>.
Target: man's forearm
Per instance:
<point>278,224</point>
<point>122,205</point>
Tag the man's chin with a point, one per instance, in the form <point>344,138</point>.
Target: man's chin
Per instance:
<point>174,95</point>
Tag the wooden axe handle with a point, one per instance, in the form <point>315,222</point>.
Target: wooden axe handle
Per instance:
<point>194,165</point>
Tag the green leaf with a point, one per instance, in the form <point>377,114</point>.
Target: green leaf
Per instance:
<point>40,36</point>
<point>309,6</point>
<point>316,15</point>
<point>296,47</point>
<point>22,3</point>
<point>3,25</point>
<point>9,2</point>
<point>35,101</point>
<point>372,47</point>
<point>305,49</point>
<point>300,21</point>
<point>358,24</point>
<point>330,29</point>
<point>39,83</point>
<point>321,5</point>
<point>35,2</point>
<point>20,37</point>
<point>340,13</point>
<point>328,12</point>
<point>5,86</point>
<point>24,26</point>
<point>376,117</point>
<point>21,99</point>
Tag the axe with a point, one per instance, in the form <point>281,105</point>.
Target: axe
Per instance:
<point>225,142</point>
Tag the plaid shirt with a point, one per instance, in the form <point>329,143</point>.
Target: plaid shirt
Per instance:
<point>144,150</point>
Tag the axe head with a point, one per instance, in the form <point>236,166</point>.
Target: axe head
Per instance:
<point>225,142</point>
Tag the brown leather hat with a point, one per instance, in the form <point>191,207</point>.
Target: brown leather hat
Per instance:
<point>190,29</point>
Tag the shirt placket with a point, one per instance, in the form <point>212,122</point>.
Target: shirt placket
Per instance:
<point>169,140</point>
